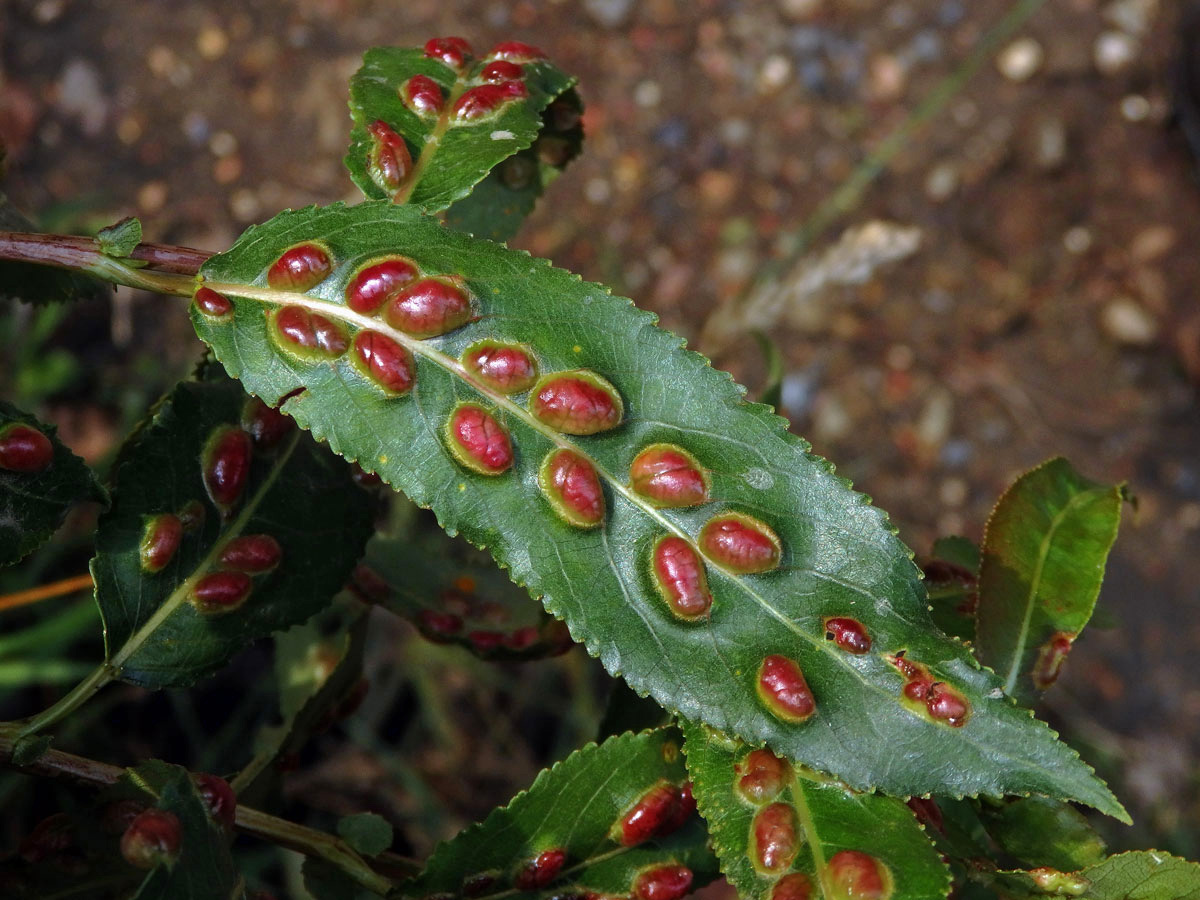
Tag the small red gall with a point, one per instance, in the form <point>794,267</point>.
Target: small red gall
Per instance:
<point>368,585</point>
<point>389,161</point>
<point>225,464</point>
<point>386,363</point>
<point>854,875</point>
<point>430,307</point>
<point>521,638</point>
<point>300,268</point>
<point>453,51</point>
<point>947,705</point>
<point>211,303</point>
<point>569,481</point>
<point>515,51</point>
<point>24,449</point>
<point>219,798</point>
<point>927,812</point>
<point>507,368</point>
<point>501,70</point>
<point>265,424</point>
<point>422,95</point>
<point>740,543</point>
<point>480,102</point>
<point>775,838</point>
<point>795,886</point>
<point>576,402</point>
<point>679,575</point>
<point>307,334</point>
<point>370,286</point>
<point>49,837</point>
<point>252,553</point>
<point>439,627</point>
<point>762,776</point>
<point>153,838</point>
<point>160,539</point>
<point>685,808</point>
<point>1050,660</point>
<point>541,870</point>
<point>782,688</point>
<point>917,689</point>
<point>484,641</point>
<point>663,883</point>
<point>221,592</point>
<point>478,883</point>
<point>668,476</point>
<point>478,441</point>
<point>848,634</point>
<point>648,816</point>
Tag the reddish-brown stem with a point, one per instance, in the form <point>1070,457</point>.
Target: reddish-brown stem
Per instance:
<point>171,269</point>
<point>56,763</point>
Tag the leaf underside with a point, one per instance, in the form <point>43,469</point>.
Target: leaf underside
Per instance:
<point>574,806</point>
<point>297,492</point>
<point>33,504</point>
<point>1137,875</point>
<point>1043,558</point>
<point>458,154</point>
<point>839,555</point>
<point>825,817</point>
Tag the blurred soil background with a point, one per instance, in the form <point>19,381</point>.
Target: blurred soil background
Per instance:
<point>1049,308</point>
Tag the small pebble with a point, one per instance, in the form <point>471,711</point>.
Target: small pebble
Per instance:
<point>609,13</point>
<point>1135,108</point>
<point>152,197</point>
<point>775,72</point>
<point>1128,322</point>
<point>941,182</point>
<point>1113,52</point>
<point>1078,240</point>
<point>1020,59</point>
<point>647,94</point>
<point>1050,144</point>
<point>244,205</point>
<point>597,190</point>
<point>1152,243</point>
<point>211,43</point>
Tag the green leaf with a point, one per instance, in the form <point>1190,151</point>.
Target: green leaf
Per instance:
<point>770,819</point>
<point>449,155</point>
<point>325,881</point>
<point>27,750</point>
<point>41,284</point>
<point>1043,832</point>
<point>1140,875</point>
<point>119,239</point>
<point>367,833</point>
<point>839,556</point>
<point>295,492</point>
<point>454,594</point>
<point>315,671</point>
<point>39,482</point>
<point>204,867</point>
<point>498,205</point>
<point>575,807</point>
<point>952,580</point>
<point>1044,552</point>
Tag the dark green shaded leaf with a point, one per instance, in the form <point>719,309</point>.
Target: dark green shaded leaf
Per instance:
<point>498,205</point>
<point>1043,832</point>
<point>574,807</point>
<point>449,156</point>
<point>1044,552</point>
<point>454,594</point>
<point>119,239</point>
<point>27,749</point>
<point>626,711</point>
<point>41,284</point>
<point>296,492</point>
<point>839,556</point>
<point>366,833</point>
<point>823,817</point>
<point>315,671</point>
<point>952,580</point>
<point>34,503</point>
<point>204,868</point>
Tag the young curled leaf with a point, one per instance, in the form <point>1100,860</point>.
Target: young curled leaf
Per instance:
<point>785,545</point>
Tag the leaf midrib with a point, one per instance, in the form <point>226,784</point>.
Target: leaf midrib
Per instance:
<point>1035,583</point>
<point>179,596</point>
<point>423,349</point>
